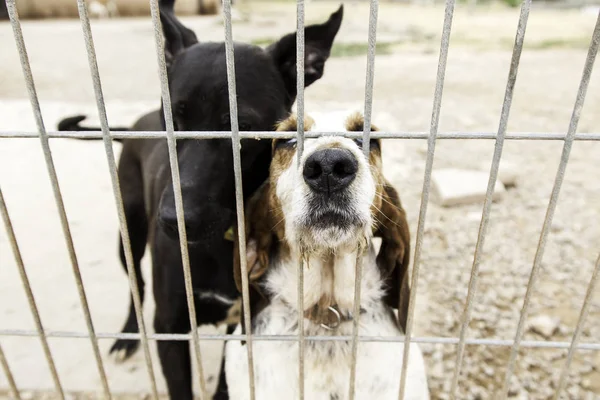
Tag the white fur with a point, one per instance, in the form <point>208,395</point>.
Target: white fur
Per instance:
<point>329,270</point>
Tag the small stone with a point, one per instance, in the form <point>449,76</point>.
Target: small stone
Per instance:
<point>507,172</point>
<point>515,387</point>
<point>544,325</point>
<point>474,216</point>
<point>586,383</point>
<point>452,187</point>
<point>574,392</point>
<point>27,395</point>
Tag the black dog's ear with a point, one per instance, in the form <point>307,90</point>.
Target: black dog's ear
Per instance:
<point>318,40</point>
<point>177,36</point>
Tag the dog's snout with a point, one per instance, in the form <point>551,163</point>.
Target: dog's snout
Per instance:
<point>330,170</point>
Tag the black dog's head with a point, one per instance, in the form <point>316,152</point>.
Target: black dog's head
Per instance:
<point>266,90</point>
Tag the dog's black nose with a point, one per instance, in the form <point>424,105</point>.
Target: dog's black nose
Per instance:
<point>330,170</point>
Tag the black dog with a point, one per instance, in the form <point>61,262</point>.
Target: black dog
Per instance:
<point>266,90</point>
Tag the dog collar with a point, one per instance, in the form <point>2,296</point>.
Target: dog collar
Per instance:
<point>329,318</point>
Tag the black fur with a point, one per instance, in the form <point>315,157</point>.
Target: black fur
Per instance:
<point>266,90</point>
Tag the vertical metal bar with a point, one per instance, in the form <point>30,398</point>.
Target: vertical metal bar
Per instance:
<point>172,147</point>
<point>374,8</point>
<point>485,216</point>
<point>431,141</point>
<point>560,174</point>
<point>373,15</point>
<point>31,299</point>
<point>239,191</point>
<point>300,58</point>
<point>112,167</point>
<point>356,321</point>
<point>35,105</point>
<point>587,302</point>
<point>300,76</point>
<point>9,376</point>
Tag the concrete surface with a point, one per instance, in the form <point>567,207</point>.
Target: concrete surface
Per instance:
<point>478,63</point>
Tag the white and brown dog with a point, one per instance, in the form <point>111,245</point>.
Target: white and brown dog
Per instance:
<point>324,213</point>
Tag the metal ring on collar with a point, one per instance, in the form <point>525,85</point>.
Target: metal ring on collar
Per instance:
<point>337,323</point>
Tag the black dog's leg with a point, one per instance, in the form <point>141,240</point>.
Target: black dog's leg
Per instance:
<point>222,393</point>
<point>175,360</point>
<point>135,214</point>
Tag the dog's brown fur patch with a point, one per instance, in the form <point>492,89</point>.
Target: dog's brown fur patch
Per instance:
<point>356,123</point>
<point>290,124</point>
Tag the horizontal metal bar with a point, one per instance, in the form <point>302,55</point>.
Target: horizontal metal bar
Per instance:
<point>591,136</point>
<point>594,346</point>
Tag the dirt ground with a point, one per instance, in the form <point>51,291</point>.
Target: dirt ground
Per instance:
<point>480,52</point>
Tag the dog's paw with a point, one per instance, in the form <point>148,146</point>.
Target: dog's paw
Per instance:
<point>220,396</point>
<point>123,349</point>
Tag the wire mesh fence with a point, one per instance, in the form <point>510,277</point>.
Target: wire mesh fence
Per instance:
<point>171,135</point>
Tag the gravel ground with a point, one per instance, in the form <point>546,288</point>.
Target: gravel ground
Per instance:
<point>551,67</point>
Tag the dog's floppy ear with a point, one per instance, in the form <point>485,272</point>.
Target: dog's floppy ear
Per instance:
<point>318,40</point>
<point>394,255</point>
<point>177,36</point>
<point>259,237</point>
<point>259,240</point>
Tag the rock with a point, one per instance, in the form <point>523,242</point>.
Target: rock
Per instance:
<point>586,383</point>
<point>515,387</point>
<point>544,325</point>
<point>453,187</point>
<point>27,395</point>
<point>507,172</point>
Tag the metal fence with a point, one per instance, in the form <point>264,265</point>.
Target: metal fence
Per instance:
<point>171,135</point>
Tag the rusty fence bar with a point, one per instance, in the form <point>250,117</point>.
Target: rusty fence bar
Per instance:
<point>9,376</point>
<point>300,58</point>
<point>368,111</point>
<point>37,113</point>
<point>112,167</point>
<point>239,195</point>
<point>435,119</point>
<point>172,148</point>
<point>564,374</point>
<point>560,174</point>
<point>29,293</point>
<point>485,215</point>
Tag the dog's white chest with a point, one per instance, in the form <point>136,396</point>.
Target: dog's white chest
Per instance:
<point>327,364</point>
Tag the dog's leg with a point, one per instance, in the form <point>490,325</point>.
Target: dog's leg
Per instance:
<point>130,178</point>
<point>175,358</point>
<point>222,393</point>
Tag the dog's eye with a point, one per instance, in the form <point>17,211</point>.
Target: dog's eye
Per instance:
<point>373,143</point>
<point>286,142</point>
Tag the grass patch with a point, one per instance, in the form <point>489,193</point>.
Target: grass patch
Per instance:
<point>359,49</point>
<point>574,43</point>
<point>342,49</point>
